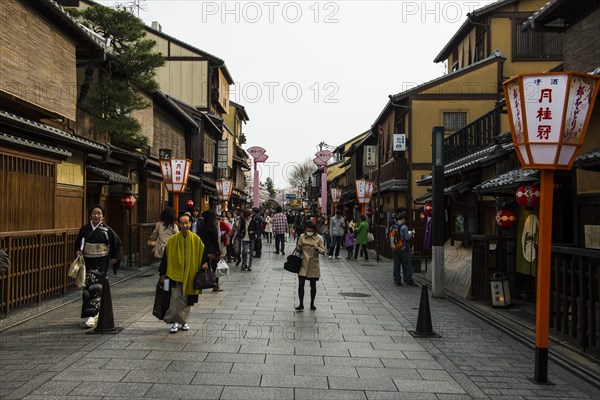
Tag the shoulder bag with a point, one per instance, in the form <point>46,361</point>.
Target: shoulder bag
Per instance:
<point>205,279</point>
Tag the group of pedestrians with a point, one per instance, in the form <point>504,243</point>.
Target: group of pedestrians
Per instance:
<point>200,241</point>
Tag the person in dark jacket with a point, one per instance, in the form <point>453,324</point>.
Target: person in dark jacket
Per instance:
<point>258,220</point>
<point>248,232</point>
<point>300,223</point>
<point>209,233</point>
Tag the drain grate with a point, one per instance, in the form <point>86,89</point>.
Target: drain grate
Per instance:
<point>354,294</point>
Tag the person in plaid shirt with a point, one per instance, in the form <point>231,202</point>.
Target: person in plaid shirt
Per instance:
<point>280,226</point>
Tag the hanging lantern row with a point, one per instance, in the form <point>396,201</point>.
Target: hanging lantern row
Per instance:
<point>528,196</point>
<point>128,201</point>
<point>506,218</point>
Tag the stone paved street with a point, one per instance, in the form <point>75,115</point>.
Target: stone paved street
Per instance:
<point>248,342</point>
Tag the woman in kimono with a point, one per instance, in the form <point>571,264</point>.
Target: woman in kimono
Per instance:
<point>311,245</point>
<point>101,247</point>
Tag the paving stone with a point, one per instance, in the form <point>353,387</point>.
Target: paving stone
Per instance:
<point>112,389</point>
<point>383,384</point>
<point>230,379</point>
<point>283,359</point>
<point>49,397</point>
<point>138,365</point>
<point>371,395</point>
<point>400,363</point>
<point>53,388</point>
<point>353,362</point>
<point>200,366</point>
<point>397,373</point>
<point>237,358</point>
<point>318,370</point>
<point>249,349</point>
<point>94,375</point>
<point>266,393</point>
<point>263,369</point>
<point>176,356</point>
<point>178,377</point>
<point>124,353</point>
<point>295,381</point>
<point>175,391</point>
<point>428,386</point>
<point>312,394</point>
<point>434,375</point>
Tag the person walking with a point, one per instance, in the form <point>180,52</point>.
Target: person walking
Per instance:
<point>268,227</point>
<point>211,237</point>
<point>401,254</point>
<point>182,259</point>
<point>258,220</point>
<point>248,231</point>
<point>237,239</point>
<point>163,230</point>
<point>280,227</point>
<point>323,228</point>
<point>362,231</point>
<point>349,243</point>
<point>299,223</point>
<point>310,244</point>
<point>100,247</point>
<point>196,220</point>
<point>336,230</point>
<point>290,220</point>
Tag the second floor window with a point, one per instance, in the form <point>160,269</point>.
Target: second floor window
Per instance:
<point>530,45</point>
<point>208,149</point>
<point>454,121</point>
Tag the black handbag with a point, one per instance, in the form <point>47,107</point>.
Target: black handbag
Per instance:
<point>161,301</point>
<point>205,279</point>
<point>293,263</point>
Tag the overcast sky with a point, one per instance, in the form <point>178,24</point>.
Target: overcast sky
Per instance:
<point>310,72</point>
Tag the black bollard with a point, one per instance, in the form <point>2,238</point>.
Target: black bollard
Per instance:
<point>424,326</point>
<point>106,320</point>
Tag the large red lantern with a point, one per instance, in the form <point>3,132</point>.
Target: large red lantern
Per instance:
<point>528,196</point>
<point>506,218</point>
<point>429,208</point>
<point>128,200</point>
<point>189,204</point>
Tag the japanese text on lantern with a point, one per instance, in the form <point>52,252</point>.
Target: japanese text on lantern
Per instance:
<point>515,100</point>
<point>546,97</point>
<point>581,90</point>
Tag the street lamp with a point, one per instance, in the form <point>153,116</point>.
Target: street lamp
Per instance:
<point>175,172</point>
<point>548,114</point>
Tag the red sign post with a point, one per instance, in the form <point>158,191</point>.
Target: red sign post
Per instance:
<point>258,154</point>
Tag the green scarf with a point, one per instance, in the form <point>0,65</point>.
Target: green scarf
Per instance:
<point>184,269</point>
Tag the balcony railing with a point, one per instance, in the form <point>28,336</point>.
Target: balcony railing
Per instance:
<point>475,136</point>
<point>397,168</point>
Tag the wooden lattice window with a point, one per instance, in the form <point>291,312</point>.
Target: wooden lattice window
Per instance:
<point>454,121</point>
<point>22,179</point>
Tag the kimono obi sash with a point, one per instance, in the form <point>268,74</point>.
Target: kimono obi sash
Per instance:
<point>93,250</point>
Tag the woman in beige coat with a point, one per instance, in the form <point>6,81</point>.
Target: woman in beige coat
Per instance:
<point>310,244</point>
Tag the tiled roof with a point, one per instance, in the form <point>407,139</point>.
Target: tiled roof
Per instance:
<point>471,160</point>
<point>4,137</point>
<point>589,158</point>
<point>51,131</point>
<point>506,180</point>
<point>110,175</point>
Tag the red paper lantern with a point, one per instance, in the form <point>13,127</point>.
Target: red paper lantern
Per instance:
<point>190,203</point>
<point>128,201</point>
<point>506,218</point>
<point>429,208</point>
<point>528,196</point>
